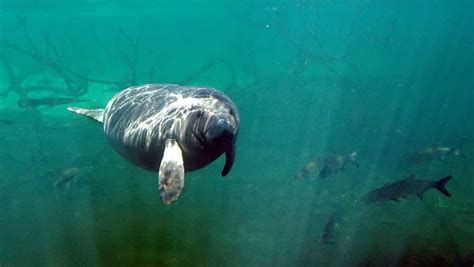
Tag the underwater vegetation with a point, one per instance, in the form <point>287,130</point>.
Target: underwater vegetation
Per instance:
<point>349,113</point>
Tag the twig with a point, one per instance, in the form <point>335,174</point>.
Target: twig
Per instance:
<point>203,69</point>
<point>69,76</point>
<point>133,60</point>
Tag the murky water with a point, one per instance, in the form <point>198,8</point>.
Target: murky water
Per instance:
<point>313,81</point>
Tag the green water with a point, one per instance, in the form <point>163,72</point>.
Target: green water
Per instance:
<point>310,78</point>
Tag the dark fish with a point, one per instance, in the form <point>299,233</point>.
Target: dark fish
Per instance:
<point>405,188</point>
<point>308,170</point>
<point>49,101</point>
<point>7,122</point>
<point>337,163</point>
<point>66,177</point>
<point>329,230</point>
<point>432,153</point>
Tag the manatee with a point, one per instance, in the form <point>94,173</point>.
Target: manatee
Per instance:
<point>171,129</point>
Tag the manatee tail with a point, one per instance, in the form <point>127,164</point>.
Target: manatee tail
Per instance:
<point>96,114</point>
<point>441,183</point>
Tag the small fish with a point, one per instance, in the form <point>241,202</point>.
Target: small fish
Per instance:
<point>432,153</point>
<point>337,163</point>
<point>66,177</point>
<point>7,122</point>
<point>404,188</point>
<point>308,170</point>
<point>49,101</point>
<point>329,230</point>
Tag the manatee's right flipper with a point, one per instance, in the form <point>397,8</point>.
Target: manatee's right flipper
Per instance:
<point>96,114</point>
<point>171,175</point>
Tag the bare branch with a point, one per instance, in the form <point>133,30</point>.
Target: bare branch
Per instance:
<point>195,75</point>
<point>25,33</point>
<point>49,44</point>
<point>74,81</point>
<point>14,80</point>
<point>131,61</point>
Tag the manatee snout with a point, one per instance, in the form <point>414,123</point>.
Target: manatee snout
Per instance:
<point>221,132</point>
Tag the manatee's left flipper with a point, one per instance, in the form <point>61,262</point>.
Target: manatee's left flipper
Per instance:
<point>229,160</point>
<point>96,114</point>
<point>171,175</point>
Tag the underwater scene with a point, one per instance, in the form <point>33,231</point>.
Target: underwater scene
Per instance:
<point>344,130</point>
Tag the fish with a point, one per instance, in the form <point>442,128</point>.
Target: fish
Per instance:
<point>308,170</point>
<point>337,163</point>
<point>327,238</point>
<point>7,122</point>
<point>66,177</point>
<point>404,188</point>
<point>433,153</point>
<point>49,101</point>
